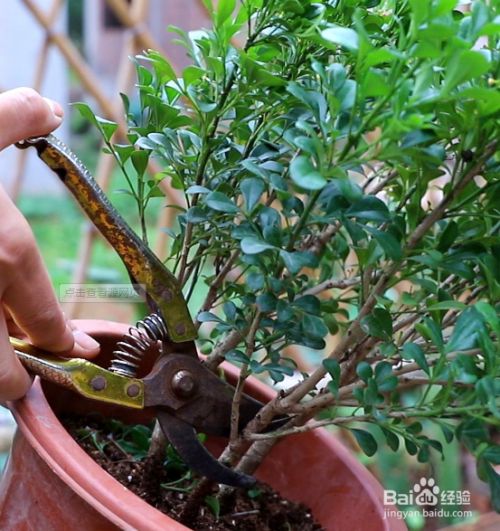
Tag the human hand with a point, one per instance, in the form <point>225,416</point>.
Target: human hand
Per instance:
<point>28,303</point>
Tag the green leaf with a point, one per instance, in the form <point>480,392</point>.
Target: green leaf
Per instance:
<point>365,440</point>
<point>314,326</point>
<point>237,356</point>
<point>466,331</point>
<point>107,127</point>
<point>413,352</point>
<point>431,330</point>
<point>369,208</point>
<point>447,305</point>
<point>255,281</point>
<point>333,368</point>
<point>391,438</point>
<point>345,37</point>
<point>364,371</point>
<point>492,454</point>
<point>140,161</point>
<point>213,504</point>
<point>252,190</point>
<point>490,314</point>
<point>297,260</point>
<point>266,302</point>
<point>86,112</point>
<point>494,483</point>
<point>221,202</point>
<point>191,74</point>
<point>163,68</point>
<point>488,393</point>
<point>472,431</point>
<point>305,175</point>
<point>386,380</point>
<point>253,245</point>
<point>195,215</point>
<point>208,317</point>
<point>196,189</point>
<point>465,65</point>
<point>123,152</point>
<point>389,244</point>
<point>309,304</point>
<point>224,10</point>
<point>420,10</point>
<point>448,433</point>
<point>378,324</point>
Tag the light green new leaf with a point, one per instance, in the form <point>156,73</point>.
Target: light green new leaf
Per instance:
<point>107,127</point>
<point>345,37</point>
<point>224,10</point>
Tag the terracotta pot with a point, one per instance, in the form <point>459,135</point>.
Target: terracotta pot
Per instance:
<point>51,484</point>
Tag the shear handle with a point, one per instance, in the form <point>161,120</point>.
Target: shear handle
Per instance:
<point>82,376</point>
<point>143,266</point>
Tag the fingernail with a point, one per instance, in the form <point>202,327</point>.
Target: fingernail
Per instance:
<point>85,341</point>
<point>56,109</point>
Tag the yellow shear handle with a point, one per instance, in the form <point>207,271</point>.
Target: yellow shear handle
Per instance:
<point>142,264</point>
<point>81,375</point>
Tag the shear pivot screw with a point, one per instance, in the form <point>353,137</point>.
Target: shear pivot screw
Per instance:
<point>98,383</point>
<point>183,384</point>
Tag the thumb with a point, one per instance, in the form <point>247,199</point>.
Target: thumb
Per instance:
<point>24,113</point>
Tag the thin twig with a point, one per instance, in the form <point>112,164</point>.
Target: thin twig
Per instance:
<point>244,373</point>
<point>332,283</point>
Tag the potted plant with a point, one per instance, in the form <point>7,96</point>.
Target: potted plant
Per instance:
<point>340,177</point>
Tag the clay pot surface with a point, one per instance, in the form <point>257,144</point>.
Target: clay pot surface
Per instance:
<point>50,483</point>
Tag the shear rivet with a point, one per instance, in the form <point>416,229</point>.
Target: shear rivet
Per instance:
<point>133,390</point>
<point>183,384</point>
<point>98,383</point>
<point>180,328</point>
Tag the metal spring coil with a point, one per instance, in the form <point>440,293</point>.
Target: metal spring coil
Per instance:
<point>130,350</point>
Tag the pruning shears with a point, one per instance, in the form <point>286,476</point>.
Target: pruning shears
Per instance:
<point>186,396</point>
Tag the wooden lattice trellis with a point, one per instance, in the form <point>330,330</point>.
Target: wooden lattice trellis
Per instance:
<point>133,17</point>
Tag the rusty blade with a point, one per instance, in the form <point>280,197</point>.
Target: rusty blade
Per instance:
<point>183,438</point>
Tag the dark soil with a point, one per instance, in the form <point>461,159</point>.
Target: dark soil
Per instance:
<point>260,509</point>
